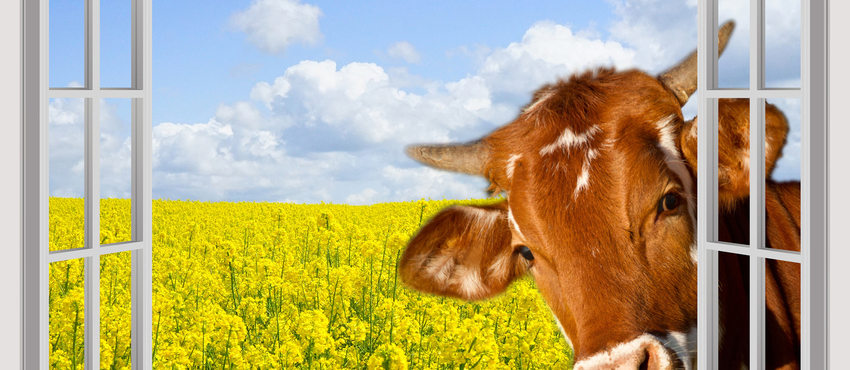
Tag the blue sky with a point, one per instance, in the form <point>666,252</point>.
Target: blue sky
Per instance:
<point>308,101</point>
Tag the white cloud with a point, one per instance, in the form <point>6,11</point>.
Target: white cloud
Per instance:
<point>323,131</point>
<point>273,25</point>
<point>366,196</point>
<point>661,32</point>
<point>548,51</point>
<point>357,105</point>
<point>425,182</point>
<point>405,51</point>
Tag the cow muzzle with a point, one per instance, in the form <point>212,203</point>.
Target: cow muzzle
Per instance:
<point>644,352</point>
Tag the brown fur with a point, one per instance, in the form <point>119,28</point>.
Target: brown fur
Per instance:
<point>610,266</point>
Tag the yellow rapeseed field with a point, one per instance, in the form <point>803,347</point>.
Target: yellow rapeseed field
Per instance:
<point>288,286</point>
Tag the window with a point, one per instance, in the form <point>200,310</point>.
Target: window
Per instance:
<point>101,60</point>
<point>812,258</point>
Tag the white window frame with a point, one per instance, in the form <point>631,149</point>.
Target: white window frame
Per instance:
<point>37,257</point>
<point>813,121</point>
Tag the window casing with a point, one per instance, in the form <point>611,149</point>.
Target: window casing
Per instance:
<point>812,258</point>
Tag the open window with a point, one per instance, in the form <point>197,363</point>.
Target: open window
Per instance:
<point>811,259</point>
<point>108,139</point>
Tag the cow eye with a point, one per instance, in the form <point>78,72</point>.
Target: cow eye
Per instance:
<point>525,252</point>
<point>668,202</point>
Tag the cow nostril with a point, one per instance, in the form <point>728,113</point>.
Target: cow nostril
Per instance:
<point>645,364</point>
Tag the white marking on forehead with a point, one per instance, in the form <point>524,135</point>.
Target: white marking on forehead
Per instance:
<point>583,180</point>
<point>569,139</point>
<point>627,355</point>
<point>509,170</point>
<point>543,98</point>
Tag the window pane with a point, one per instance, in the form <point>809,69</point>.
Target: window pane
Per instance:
<point>67,43</point>
<point>734,326</point>
<point>116,43</point>
<point>783,183</point>
<point>67,314</point>
<point>733,184</point>
<point>782,313</point>
<point>115,304</point>
<point>782,43</point>
<point>66,132</point>
<point>733,67</point>
<point>115,171</point>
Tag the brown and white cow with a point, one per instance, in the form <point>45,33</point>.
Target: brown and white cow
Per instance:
<point>599,173</point>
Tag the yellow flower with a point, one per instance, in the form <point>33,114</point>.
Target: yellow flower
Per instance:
<point>388,356</point>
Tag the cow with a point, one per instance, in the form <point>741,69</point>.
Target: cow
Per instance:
<point>599,177</point>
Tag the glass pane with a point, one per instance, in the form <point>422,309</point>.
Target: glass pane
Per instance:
<point>66,130</point>
<point>115,171</point>
<point>782,43</point>
<point>734,294</point>
<point>733,67</point>
<point>67,314</point>
<point>67,43</point>
<point>116,43</point>
<point>115,304</point>
<point>783,184</point>
<point>733,184</point>
<point>782,313</point>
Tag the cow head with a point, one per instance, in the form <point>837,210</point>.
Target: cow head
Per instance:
<point>599,172</point>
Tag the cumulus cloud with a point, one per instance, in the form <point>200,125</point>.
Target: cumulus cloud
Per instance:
<point>356,105</point>
<point>273,25</point>
<point>323,131</point>
<point>405,51</point>
<point>548,51</point>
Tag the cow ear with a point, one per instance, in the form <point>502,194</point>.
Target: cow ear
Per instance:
<point>463,252</point>
<point>734,146</point>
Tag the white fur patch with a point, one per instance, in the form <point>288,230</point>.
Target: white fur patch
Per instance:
<point>509,170</point>
<point>627,355</point>
<point>684,345</point>
<point>499,269</point>
<point>483,217</point>
<point>569,139</point>
<point>440,267</point>
<point>468,281</point>
<point>514,224</point>
<point>676,164</point>
<point>665,135</point>
<point>694,252</point>
<point>583,180</point>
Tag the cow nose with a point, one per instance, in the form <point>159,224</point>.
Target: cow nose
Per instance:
<point>643,353</point>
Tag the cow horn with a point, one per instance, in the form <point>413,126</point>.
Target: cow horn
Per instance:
<point>682,78</point>
<point>465,158</point>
